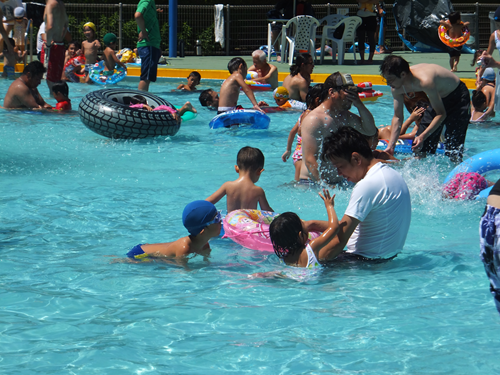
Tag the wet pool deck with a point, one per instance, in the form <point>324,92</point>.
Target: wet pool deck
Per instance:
<point>215,67</point>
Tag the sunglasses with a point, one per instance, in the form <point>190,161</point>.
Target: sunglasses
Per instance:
<point>217,219</point>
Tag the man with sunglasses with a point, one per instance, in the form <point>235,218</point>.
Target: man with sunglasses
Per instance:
<point>339,95</point>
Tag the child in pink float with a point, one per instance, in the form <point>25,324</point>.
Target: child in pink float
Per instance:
<point>139,101</point>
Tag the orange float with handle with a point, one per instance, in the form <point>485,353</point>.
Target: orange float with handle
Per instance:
<point>456,42</point>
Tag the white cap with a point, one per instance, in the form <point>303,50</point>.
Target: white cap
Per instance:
<point>19,12</point>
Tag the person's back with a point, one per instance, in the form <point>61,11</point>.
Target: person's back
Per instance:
<point>242,193</point>
<point>384,225</point>
<point>297,83</point>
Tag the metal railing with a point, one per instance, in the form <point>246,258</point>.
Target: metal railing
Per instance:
<point>245,25</point>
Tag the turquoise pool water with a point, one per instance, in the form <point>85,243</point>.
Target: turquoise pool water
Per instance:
<point>73,203</point>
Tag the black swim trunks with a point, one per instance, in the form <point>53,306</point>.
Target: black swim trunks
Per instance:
<point>457,106</point>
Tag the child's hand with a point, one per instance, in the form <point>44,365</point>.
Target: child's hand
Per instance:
<point>263,104</point>
<point>144,106</point>
<point>327,199</point>
<point>258,108</point>
<point>417,113</point>
<point>286,155</point>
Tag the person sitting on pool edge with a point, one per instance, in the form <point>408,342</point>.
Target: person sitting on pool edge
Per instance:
<point>242,193</point>
<point>210,98</point>
<point>23,92</point>
<point>203,222</point>
<point>377,219</point>
<point>230,89</point>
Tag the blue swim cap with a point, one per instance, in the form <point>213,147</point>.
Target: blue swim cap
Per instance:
<point>196,215</point>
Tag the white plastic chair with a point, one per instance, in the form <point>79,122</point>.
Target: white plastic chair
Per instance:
<point>302,36</point>
<point>349,35</point>
<point>330,20</point>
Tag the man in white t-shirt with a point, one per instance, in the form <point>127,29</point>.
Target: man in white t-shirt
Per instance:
<point>377,219</point>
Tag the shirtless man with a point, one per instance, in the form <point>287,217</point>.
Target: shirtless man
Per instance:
<point>297,83</point>
<point>448,96</point>
<point>23,92</point>
<point>267,73</point>
<point>56,26</point>
<point>329,116</point>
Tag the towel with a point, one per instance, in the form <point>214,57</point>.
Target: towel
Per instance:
<point>219,24</point>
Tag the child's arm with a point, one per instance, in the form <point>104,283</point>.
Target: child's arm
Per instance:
<point>97,44</point>
<point>417,112</point>
<point>291,137</point>
<point>320,244</point>
<point>264,205</point>
<point>218,195</point>
<point>445,23</point>
<point>180,87</point>
<point>248,92</point>
<point>117,61</point>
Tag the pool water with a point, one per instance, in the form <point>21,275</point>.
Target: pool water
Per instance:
<point>73,203</point>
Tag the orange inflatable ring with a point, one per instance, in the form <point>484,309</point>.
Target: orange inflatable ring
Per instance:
<point>457,42</point>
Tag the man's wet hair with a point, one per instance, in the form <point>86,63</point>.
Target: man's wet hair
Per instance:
<point>61,87</point>
<point>250,159</point>
<point>34,68</point>
<point>342,143</point>
<point>394,65</point>
<point>235,63</point>
<point>205,98</point>
<point>300,60</point>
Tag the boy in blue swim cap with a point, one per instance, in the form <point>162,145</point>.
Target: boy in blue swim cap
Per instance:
<point>203,222</point>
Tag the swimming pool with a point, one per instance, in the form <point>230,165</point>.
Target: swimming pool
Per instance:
<point>73,203</point>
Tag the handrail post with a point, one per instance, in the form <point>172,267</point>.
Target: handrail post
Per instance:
<point>120,26</point>
<point>227,30</point>
<point>31,41</point>
<point>328,9</point>
<point>477,25</point>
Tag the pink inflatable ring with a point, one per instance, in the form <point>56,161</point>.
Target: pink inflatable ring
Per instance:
<point>250,228</point>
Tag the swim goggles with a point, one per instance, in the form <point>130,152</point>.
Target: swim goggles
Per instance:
<point>217,219</point>
<point>280,96</point>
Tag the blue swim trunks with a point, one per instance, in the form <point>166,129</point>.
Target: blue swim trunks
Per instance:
<point>137,253</point>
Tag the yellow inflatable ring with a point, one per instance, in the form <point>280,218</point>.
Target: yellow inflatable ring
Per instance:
<point>457,42</point>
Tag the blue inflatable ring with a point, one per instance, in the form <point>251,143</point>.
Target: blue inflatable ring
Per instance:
<point>480,163</point>
<point>256,119</point>
<point>96,74</point>
<point>403,146</point>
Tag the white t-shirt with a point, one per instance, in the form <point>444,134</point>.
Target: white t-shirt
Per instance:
<point>381,202</point>
<point>39,40</point>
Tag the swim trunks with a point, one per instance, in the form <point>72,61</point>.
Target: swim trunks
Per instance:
<point>108,73</point>
<point>457,105</point>
<point>297,154</point>
<point>10,72</point>
<point>137,253</point>
<point>306,181</point>
<point>489,235</point>
<point>149,62</point>
<point>227,109</point>
<point>56,54</point>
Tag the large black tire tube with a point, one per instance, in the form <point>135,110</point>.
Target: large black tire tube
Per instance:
<point>105,113</point>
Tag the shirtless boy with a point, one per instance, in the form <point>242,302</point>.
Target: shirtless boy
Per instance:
<point>23,92</point>
<point>230,89</point>
<point>110,59</point>
<point>297,83</point>
<point>455,26</point>
<point>332,114</point>
<point>56,26</point>
<point>448,96</point>
<point>203,222</point>
<point>193,80</point>
<point>242,192</point>
<point>268,73</point>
